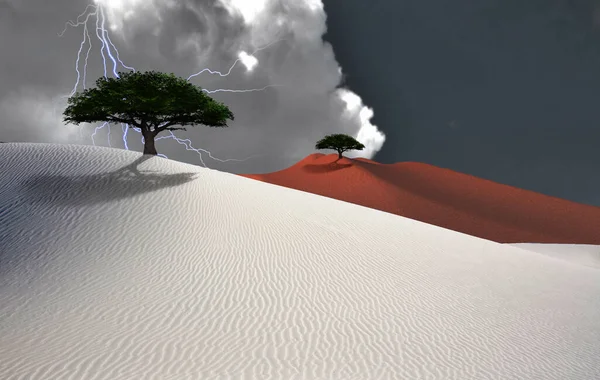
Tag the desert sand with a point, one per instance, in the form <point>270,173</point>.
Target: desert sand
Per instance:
<point>115,265</point>
<point>580,254</point>
<point>444,198</point>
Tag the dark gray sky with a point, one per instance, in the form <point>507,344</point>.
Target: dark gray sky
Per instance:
<point>502,89</point>
<point>507,90</point>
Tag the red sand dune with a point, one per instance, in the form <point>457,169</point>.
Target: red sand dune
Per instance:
<point>444,198</point>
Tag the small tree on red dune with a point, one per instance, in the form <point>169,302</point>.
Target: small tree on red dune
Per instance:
<point>339,142</point>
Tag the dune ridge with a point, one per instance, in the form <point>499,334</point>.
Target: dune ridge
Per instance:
<point>121,266</point>
<point>579,254</point>
<point>445,198</point>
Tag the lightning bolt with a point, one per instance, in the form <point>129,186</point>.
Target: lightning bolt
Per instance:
<point>110,54</point>
<point>234,63</point>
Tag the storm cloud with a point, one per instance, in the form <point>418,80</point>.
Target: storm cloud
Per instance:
<point>278,46</point>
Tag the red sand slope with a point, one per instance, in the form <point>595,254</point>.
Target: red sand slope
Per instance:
<point>444,198</point>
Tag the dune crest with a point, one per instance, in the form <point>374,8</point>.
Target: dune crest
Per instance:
<point>445,198</point>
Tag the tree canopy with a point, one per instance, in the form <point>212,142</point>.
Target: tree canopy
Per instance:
<point>151,100</point>
<point>339,142</point>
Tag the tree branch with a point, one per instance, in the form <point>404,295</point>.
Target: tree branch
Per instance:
<point>165,127</point>
<point>121,120</point>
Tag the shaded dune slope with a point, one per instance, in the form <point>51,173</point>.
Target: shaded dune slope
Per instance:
<point>445,198</point>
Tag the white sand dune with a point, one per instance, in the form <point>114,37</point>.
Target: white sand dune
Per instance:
<point>581,254</point>
<point>115,266</point>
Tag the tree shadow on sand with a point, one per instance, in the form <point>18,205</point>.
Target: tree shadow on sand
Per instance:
<point>325,168</point>
<point>84,190</point>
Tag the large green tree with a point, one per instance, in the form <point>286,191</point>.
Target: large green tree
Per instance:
<point>339,142</point>
<point>152,101</point>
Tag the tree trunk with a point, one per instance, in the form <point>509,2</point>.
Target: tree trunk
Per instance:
<point>340,154</point>
<point>149,147</point>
